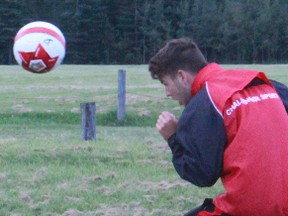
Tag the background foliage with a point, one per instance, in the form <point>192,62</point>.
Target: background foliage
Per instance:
<point>130,31</point>
<point>47,169</point>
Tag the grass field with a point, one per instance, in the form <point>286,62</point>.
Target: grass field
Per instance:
<point>47,169</point>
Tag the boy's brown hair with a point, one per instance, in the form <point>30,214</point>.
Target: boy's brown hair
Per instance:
<point>182,53</point>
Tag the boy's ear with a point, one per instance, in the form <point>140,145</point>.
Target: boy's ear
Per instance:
<point>182,76</point>
<point>185,77</point>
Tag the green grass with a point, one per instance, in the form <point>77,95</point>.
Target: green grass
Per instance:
<point>47,169</point>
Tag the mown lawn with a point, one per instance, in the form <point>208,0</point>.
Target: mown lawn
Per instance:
<point>47,169</point>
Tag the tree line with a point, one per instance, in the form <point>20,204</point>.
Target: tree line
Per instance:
<point>131,31</point>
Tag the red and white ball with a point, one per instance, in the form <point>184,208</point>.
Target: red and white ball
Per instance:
<point>39,47</point>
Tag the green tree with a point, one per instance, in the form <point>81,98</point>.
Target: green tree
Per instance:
<point>156,27</point>
<point>131,31</point>
<point>10,18</point>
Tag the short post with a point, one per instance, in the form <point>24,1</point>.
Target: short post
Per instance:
<point>88,124</point>
<point>121,94</point>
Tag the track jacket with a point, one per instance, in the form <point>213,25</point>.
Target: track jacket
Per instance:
<point>235,128</point>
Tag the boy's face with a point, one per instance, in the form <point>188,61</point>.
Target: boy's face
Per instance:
<point>177,88</point>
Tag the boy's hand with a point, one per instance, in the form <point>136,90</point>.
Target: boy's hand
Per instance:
<point>167,124</point>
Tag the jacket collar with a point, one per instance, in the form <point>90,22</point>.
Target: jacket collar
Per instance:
<point>204,75</point>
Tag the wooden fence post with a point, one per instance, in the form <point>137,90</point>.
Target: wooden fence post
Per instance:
<point>121,94</point>
<point>88,125</point>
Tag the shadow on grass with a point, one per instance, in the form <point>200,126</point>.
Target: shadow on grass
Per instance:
<point>102,119</point>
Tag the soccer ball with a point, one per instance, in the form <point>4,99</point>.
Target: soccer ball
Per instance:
<point>39,47</point>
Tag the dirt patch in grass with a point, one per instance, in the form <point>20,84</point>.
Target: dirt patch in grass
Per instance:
<point>21,108</point>
<point>162,185</point>
<point>85,182</point>
<point>7,140</point>
<point>132,208</point>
